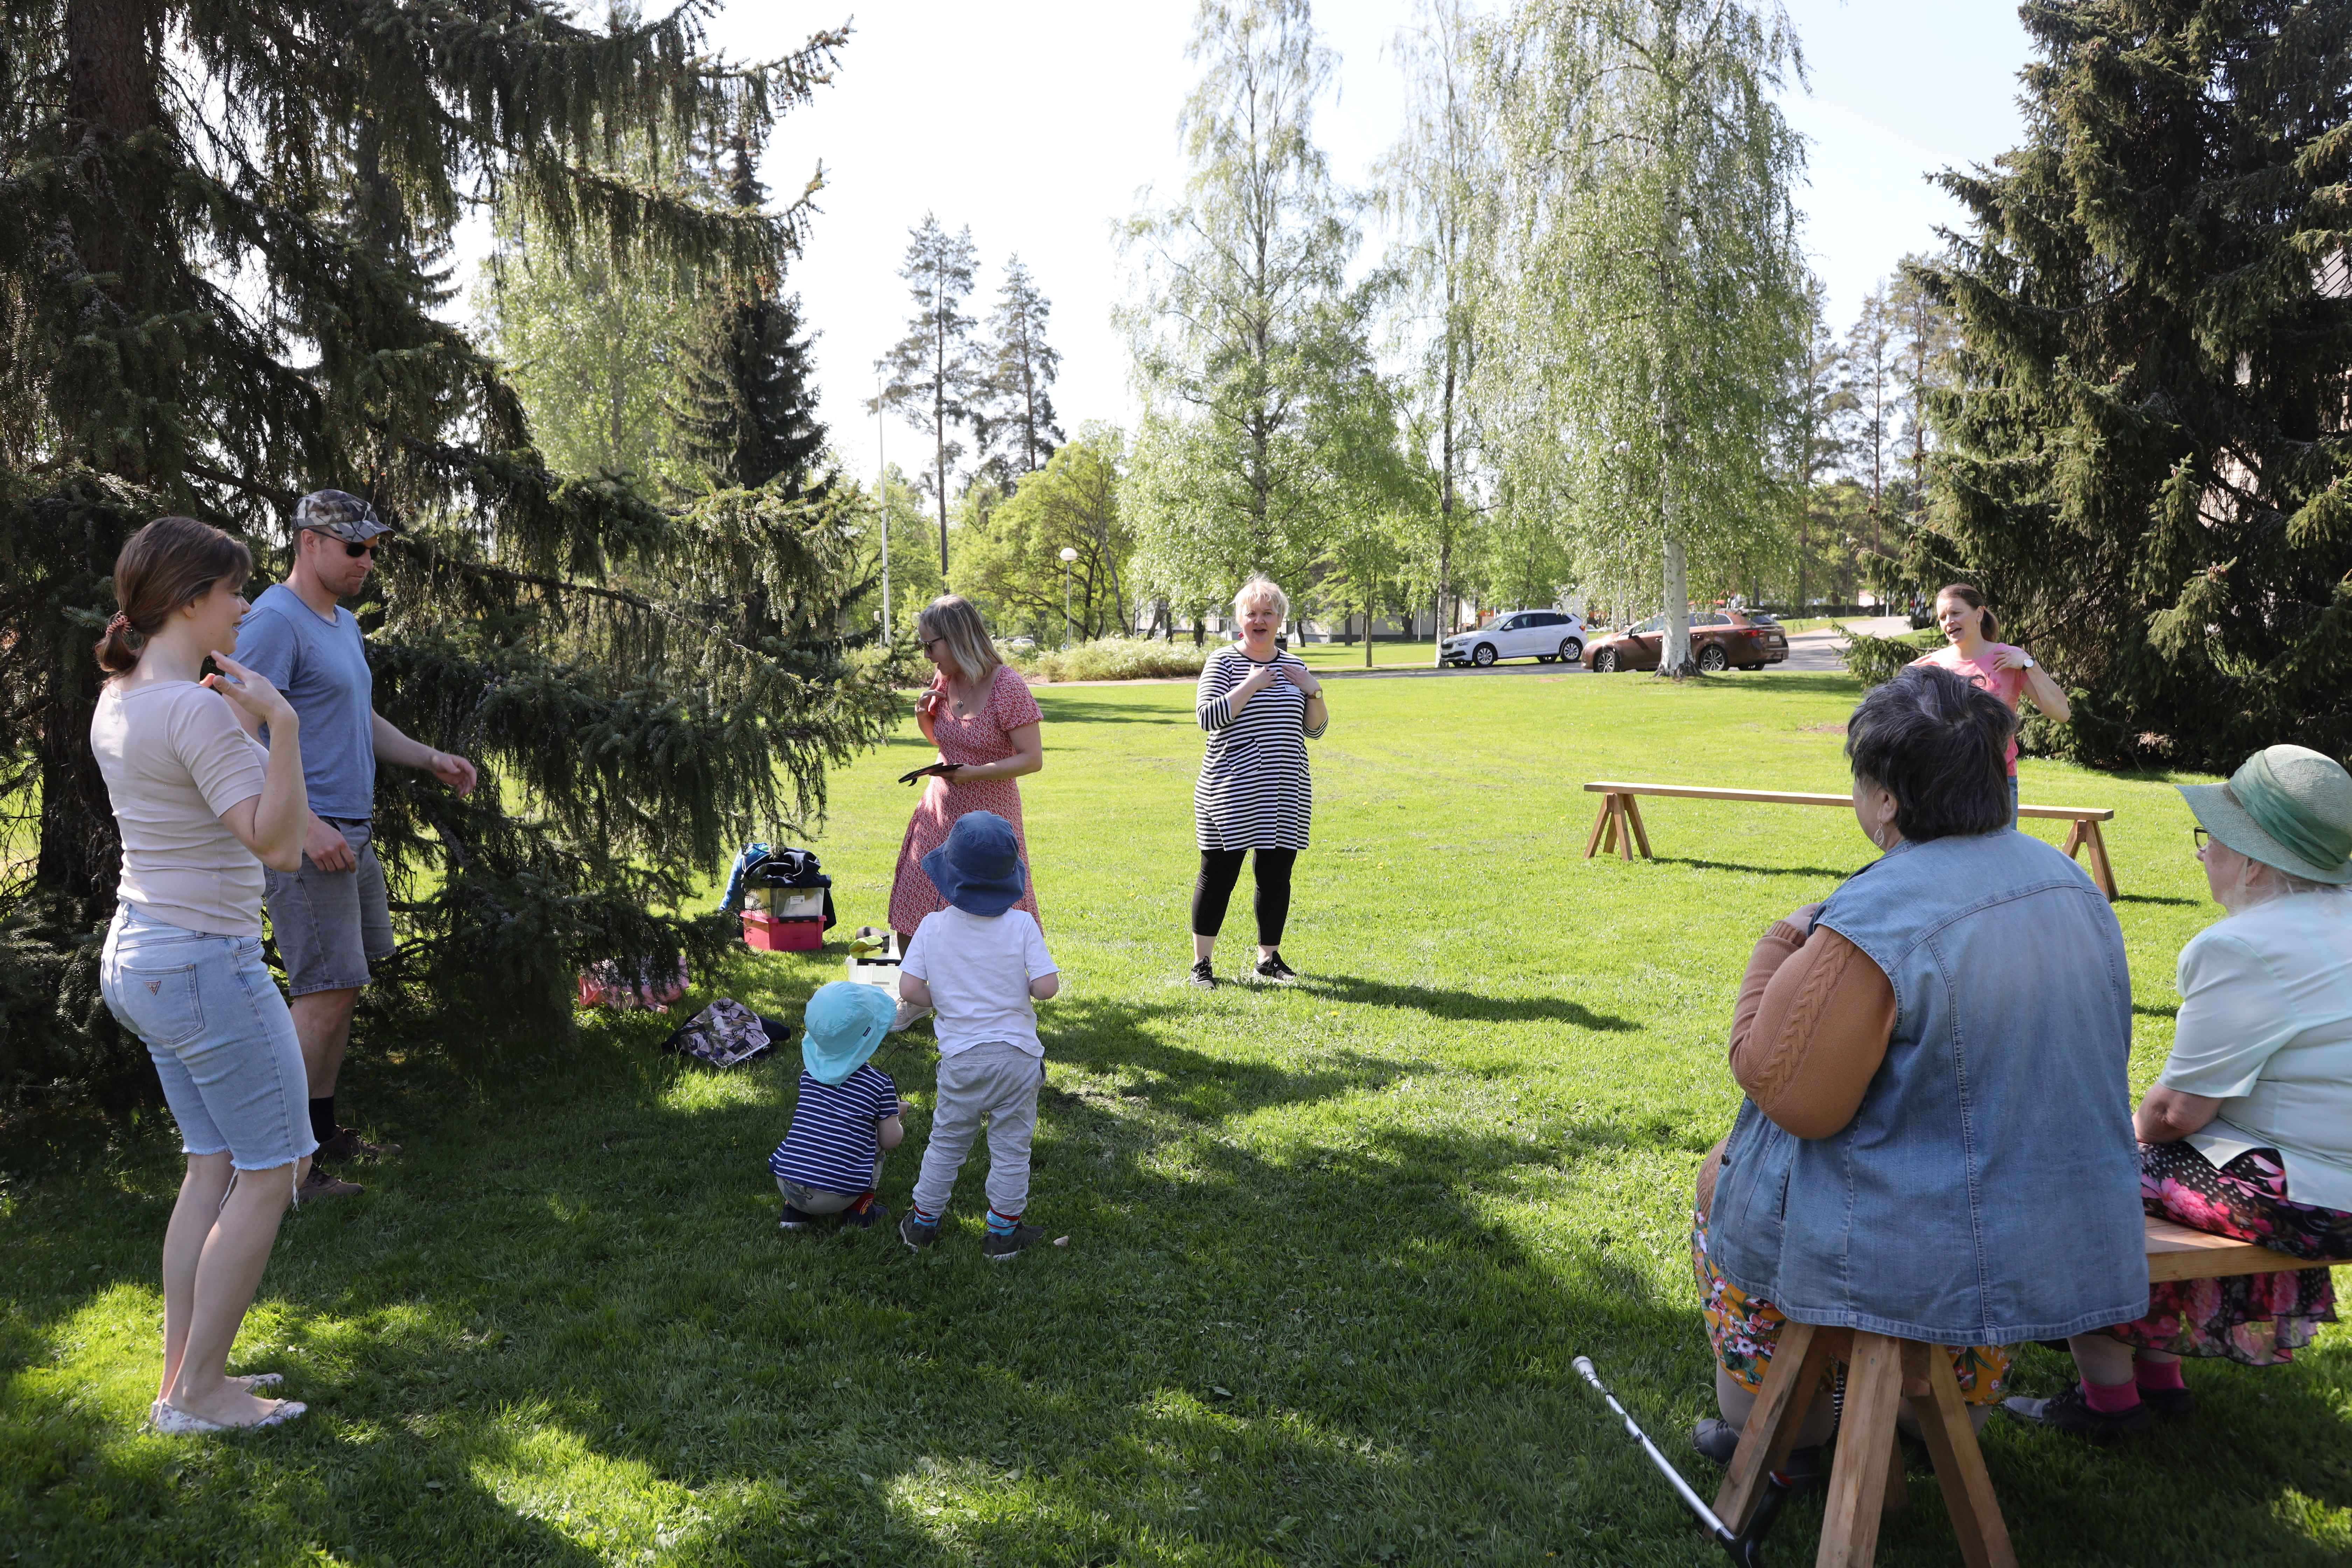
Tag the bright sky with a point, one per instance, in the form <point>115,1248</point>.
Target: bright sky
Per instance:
<point>1038,125</point>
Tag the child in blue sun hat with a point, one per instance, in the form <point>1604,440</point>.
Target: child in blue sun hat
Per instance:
<point>983,965</point>
<point>847,1117</point>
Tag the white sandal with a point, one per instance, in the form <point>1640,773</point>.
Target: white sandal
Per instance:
<point>170,1421</point>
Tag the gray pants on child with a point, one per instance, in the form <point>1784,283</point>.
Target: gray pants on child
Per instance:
<point>995,1081</point>
<point>817,1200</point>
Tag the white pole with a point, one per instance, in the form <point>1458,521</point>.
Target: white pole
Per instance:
<point>882,501</point>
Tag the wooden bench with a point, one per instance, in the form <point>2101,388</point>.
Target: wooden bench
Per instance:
<point>2177,1252</point>
<point>1866,1480</point>
<point>1619,824</point>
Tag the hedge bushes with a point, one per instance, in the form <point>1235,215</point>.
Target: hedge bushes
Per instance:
<point>1116,658</point>
<point>1875,662</point>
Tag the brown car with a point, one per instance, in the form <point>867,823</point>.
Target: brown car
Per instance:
<point>1720,639</point>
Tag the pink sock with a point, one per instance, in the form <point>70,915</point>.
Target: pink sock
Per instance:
<point>2157,1376</point>
<point>2110,1398</point>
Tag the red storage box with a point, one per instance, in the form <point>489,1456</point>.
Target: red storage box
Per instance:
<point>771,933</point>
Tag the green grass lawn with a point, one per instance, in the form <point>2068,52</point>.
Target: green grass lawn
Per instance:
<point>1331,1249</point>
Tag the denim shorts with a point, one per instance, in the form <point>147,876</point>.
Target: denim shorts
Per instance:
<point>218,1031</point>
<point>330,924</point>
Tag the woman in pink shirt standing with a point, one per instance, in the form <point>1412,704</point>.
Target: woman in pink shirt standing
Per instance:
<point>2003,669</point>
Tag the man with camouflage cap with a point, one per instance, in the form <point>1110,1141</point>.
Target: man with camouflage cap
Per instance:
<point>330,918</point>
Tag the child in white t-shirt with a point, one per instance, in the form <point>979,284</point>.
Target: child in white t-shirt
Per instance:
<point>981,966</point>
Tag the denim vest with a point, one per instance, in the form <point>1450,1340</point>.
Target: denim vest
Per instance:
<point>1987,1192</point>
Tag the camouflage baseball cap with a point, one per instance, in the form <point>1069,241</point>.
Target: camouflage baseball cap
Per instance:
<point>341,513</point>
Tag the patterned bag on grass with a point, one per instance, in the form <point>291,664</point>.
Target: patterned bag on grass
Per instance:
<point>728,1033</point>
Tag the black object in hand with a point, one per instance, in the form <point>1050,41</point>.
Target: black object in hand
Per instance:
<point>930,770</point>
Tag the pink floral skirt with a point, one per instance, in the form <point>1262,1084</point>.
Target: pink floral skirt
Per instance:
<point>2258,1320</point>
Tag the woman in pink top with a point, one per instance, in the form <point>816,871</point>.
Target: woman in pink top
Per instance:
<point>2003,669</point>
<point>980,714</point>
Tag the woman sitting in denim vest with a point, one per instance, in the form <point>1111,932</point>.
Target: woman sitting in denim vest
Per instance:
<point>1935,1143</point>
<point>2248,1130</point>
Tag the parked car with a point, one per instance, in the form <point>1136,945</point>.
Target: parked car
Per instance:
<point>1540,635</point>
<point>1720,639</point>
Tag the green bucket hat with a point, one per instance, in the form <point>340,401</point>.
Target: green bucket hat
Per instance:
<point>2288,806</point>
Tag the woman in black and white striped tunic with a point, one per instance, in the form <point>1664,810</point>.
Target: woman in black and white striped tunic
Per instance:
<point>1260,706</point>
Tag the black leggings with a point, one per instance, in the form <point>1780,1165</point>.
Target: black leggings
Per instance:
<point>1220,869</point>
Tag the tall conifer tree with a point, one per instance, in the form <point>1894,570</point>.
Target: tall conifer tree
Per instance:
<point>938,377</point>
<point>750,414</point>
<point>217,227</point>
<point>1022,429</point>
<point>2148,458</point>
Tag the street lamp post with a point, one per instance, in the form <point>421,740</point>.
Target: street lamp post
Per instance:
<point>1068,555</point>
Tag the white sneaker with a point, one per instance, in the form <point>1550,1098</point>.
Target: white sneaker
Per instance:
<point>908,1017</point>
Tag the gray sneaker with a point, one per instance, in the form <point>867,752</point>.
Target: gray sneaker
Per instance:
<point>997,1248</point>
<point>916,1234</point>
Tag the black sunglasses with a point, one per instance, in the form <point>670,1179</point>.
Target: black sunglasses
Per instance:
<point>356,551</point>
<point>2200,838</point>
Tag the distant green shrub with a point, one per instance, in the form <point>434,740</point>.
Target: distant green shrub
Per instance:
<point>1116,658</point>
<point>1875,662</point>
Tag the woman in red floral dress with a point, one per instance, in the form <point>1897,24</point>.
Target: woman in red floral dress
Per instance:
<point>980,714</point>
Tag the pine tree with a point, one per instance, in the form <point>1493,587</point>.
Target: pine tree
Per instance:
<point>749,414</point>
<point>936,373</point>
<point>1022,427</point>
<point>221,284</point>
<point>2148,464</point>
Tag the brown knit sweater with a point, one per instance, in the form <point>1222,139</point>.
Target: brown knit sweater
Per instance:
<point>1810,1030</point>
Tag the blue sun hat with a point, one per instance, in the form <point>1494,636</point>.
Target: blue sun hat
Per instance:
<point>842,1024</point>
<point>979,869</point>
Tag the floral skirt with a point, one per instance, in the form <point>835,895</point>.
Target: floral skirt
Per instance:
<point>1744,1329</point>
<point>2259,1320</point>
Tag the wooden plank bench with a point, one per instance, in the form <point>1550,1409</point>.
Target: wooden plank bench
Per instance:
<point>2177,1252</point>
<point>1619,824</point>
<point>1867,1480</point>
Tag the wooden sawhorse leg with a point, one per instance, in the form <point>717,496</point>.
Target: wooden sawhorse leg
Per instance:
<point>2082,835</point>
<point>1604,829</point>
<point>1867,1477</point>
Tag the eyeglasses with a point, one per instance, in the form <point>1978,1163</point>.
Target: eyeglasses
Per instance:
<point>2200,838</point>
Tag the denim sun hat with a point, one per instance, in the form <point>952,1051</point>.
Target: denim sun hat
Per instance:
<point>341,513</point>
<point>2287,806</point>
<point>842,1024</point>
<point>979,869</point>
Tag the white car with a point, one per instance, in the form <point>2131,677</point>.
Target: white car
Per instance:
<point>1541,634</point>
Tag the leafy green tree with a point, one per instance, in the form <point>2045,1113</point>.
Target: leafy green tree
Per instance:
<point>1652,306</point>
<point>1250,348</point>
<point>1022,429</point>
<point>938,377</point>
<point>219,236</point>
<point>1014,559</point>
<point>1437,187</point>
<point>2148,463</point>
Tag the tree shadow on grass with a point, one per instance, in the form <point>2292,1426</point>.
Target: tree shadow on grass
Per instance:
<point>1337,1350</point>
<point>1473,1007</point>
<point>2158,898</point>
<point>1095,710</point>
<point>1700,865</point>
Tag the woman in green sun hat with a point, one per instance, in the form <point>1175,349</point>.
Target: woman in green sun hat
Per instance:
<point>2248,1130</point>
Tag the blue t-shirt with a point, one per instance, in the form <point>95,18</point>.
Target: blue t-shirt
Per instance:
<point>830,1145</point>
<point>321,666</point>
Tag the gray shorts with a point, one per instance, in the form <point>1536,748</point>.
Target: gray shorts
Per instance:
<point>331,924</point>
